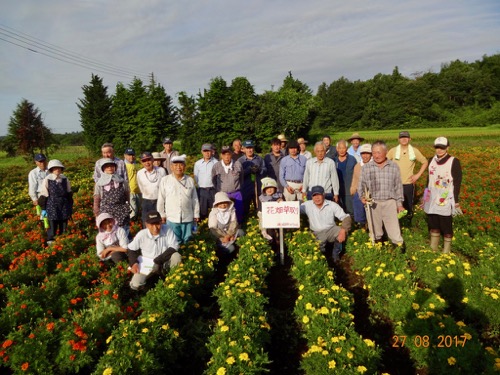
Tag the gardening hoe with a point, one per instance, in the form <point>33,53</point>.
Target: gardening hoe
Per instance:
<point>369,217</point>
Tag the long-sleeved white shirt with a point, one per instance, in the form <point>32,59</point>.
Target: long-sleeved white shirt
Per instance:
<point>178,200</point>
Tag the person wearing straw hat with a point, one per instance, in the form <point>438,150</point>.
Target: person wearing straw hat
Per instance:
<point>159,160</point>
<point>284,142</point>
<point>353,150</point>
<point>56,200</point>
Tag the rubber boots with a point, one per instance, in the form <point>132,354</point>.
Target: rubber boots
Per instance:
<point>447,245</point>
<point>435,237</point>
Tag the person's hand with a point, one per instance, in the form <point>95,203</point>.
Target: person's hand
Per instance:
<point>341,236</point>
<point>44,213</point>
<point>363,200</point>
<point>336,198</point>
<point>135,268</point>
<point>105,253</point>
<point>164,220</point>
<point>35,202</point>
<point>290,189</point>
<point>400,208</point>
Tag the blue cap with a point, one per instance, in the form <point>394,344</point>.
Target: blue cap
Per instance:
<point>129,151</point>
<point>317,190</point>
<point>248,143</point>
<point>40,157</point>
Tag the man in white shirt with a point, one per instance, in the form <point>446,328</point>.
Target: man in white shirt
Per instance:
<point>321,214</point>
<point>203,177</point>
<point>148,180</point>
<point>36,176</point>
<point>156,242</point>
<point>178,202</point>
<point>321,171</point>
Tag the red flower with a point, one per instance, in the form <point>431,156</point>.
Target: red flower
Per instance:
<point>72,357</point>
<point>25,366</point>
<point>31,336</point>
<point>50,326</point>
<point>7,343</point>
<point>23,306</point>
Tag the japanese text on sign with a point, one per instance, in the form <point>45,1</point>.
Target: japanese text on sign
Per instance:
<point>281,214</point>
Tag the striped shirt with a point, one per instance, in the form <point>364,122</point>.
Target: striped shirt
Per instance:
<point>382,183</point>
<point>323,174</point>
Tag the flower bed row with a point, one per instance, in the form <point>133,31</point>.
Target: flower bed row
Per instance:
<point>324,310</point>
<point>242,331</point>
<point>424,312</point>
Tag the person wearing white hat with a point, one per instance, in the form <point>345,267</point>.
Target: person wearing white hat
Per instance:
<point>223,224</point>
<point>441,197</point>
<point>56,199</point>
<point>178,202</point>
<point>270,193</point>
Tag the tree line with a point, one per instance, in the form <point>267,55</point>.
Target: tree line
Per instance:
<point>140,114</point>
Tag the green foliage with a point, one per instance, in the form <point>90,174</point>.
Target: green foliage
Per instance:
<point>95,114</point>
<point>27,132</point>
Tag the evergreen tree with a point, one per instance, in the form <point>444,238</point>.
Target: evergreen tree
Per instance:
<point>27,132</point>
<point>95,114</point>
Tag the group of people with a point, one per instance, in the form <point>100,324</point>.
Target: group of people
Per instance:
<point>337,184</point>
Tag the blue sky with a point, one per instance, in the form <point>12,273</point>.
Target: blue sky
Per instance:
<point>185,44</point>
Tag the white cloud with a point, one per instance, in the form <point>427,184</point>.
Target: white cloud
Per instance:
<point>187,43</point>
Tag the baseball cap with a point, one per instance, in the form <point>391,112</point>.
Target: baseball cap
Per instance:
<point>441,142</point>
<point>167,140</point>
<point>206,147</point>
<point>153,217</point>
<point>317,190</point>
<point>404,134</point>
<point>146,155</point>
<point>292,144</point>
<point>129,151</point>
<point>248,143</point>
<point>225,149</point>
<point>366,148</point>
<point>40,157</point>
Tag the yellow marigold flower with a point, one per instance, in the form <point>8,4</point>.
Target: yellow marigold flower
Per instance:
<point>467,336</point>
<point>221,371</point>
<point>232,343</point>
<point>107,371</point>
<point>361,369</point>
<point>309,306</point>
<point>323,310</point>
<point>182,294</point>
<point>142,320</point>
<point>452,361</point>
<point>349,355</point>
<point>332,364</point>
<point>324,352</point>
<point>335,339</point>
<point>415,306</point>
<point>305,319</point>
<point>494,295</point>
<point>165,327</point>
<point>224,328</point>
<point>230,360</point>
<point>109,339</point>
<point>244,357</point>
<point>399,277</point>
<point>145,330</point>
<point>369,343</point>
<point>490,350</point>
<point>301,287</point>
<point>398,295</point>
<point>465,300</point>
<point>438,268</point>
<point>450,275</point>
<point>338,350</point>
<point>441,324</point>
<point>452,262</point>
<point>460,324</point>
<point>246,338</point>
<point>432,306</point>
<point>176,334</point>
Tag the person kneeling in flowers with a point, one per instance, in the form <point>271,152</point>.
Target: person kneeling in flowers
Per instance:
<point>111,241</point>
<point>223,223</point>
<point>270,193</point>
<point>157,245</point>
<point>321,214</point>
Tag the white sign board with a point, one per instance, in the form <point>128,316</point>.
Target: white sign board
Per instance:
<point>281,214</point>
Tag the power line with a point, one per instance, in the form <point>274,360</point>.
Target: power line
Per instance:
<point>36,45</point>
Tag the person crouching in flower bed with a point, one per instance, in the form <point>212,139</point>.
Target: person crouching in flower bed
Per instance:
<point>157,245</point>
<point>223,223</point>
<point>56,200</point>
<point>111,241</point>
<point>270,193</point>
<point>111,195</point>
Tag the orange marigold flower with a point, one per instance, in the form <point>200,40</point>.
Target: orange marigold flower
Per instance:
<point>7,343</point>
<point>23,306</point>
<point>31,336</point>
<point>50,326</point>
<point>25,366</point>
